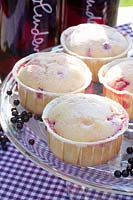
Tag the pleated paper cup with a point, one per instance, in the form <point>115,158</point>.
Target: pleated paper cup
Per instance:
<point>123,97</point>
<point>94,64</point>
<point>82,153</point>
<point>35,100</point>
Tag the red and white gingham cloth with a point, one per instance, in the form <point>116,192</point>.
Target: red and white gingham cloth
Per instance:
<point>20,179</point>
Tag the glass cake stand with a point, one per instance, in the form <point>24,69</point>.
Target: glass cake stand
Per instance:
<point>100,177</point>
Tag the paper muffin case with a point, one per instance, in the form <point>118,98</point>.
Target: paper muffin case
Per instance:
<point>126,100</point>
<point>84,155</point>
<point>35,100</point>
<point>95,64</point>
<point>124,97</point>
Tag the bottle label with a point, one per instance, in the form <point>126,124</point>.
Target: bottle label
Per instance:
<point>84,11</point>
<point>90,13</point>
<point>89,4</point>
<point>39,36</point>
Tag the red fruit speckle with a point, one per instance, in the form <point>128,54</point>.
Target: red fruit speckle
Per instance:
<point>121,84</point>
<point>39,95</point>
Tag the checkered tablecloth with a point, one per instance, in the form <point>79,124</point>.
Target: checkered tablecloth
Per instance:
<point>127,28</point>
<point>20,179</point>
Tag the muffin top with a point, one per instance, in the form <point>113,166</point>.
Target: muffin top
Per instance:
<point>94,40</point>
<point>85,117</point>
<point>54,72</point>
<point>120,76</point>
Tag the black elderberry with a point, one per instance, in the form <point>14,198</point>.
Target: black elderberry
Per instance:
<point>25,118</point>
<point>125,173</point>
<point>131,166</point>
<point>117,174</point>
<point>16,102</point>
<point>20,120</point>
<point>29,114</point>
<point>1,130</point>
<point>23,113</point>
<point>130,161</point>
<point>3,139</point>
<point>9,92</point>
<point>41,119</point>
<point>19,125</point>
<point>128,168</point>
<point>131,172</point>
<point>7,140</point>
<point>130,150</point>
<point>12,109</point>
<point>14,119</point>
<point>4,147</point>
<point>36,117</point>
<point>19,116</point>
<point>31,141</point>
<point>14,113</point>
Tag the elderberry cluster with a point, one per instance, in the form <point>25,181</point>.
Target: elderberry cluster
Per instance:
<point>20,118</point>
<point>129,168</point>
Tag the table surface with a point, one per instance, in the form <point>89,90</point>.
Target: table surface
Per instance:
<point>20,179</point>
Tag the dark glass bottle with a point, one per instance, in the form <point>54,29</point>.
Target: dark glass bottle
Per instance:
<point>112,12</point>
<point>26,26</point>
<point>83,11</point>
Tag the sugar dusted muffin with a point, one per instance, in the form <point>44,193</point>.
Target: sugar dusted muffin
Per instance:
<point>46,75</point>
<point>85,129</point>
<point>117,80</point>
<point>96,44</point>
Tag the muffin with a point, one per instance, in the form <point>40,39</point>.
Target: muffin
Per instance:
<point>95,44</point>
<point>85,129</point>
<point>117,80</point>
<point>46,75</point>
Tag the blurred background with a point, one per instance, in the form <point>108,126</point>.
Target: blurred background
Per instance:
<point>125,12</point>
<point>126,2</point>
